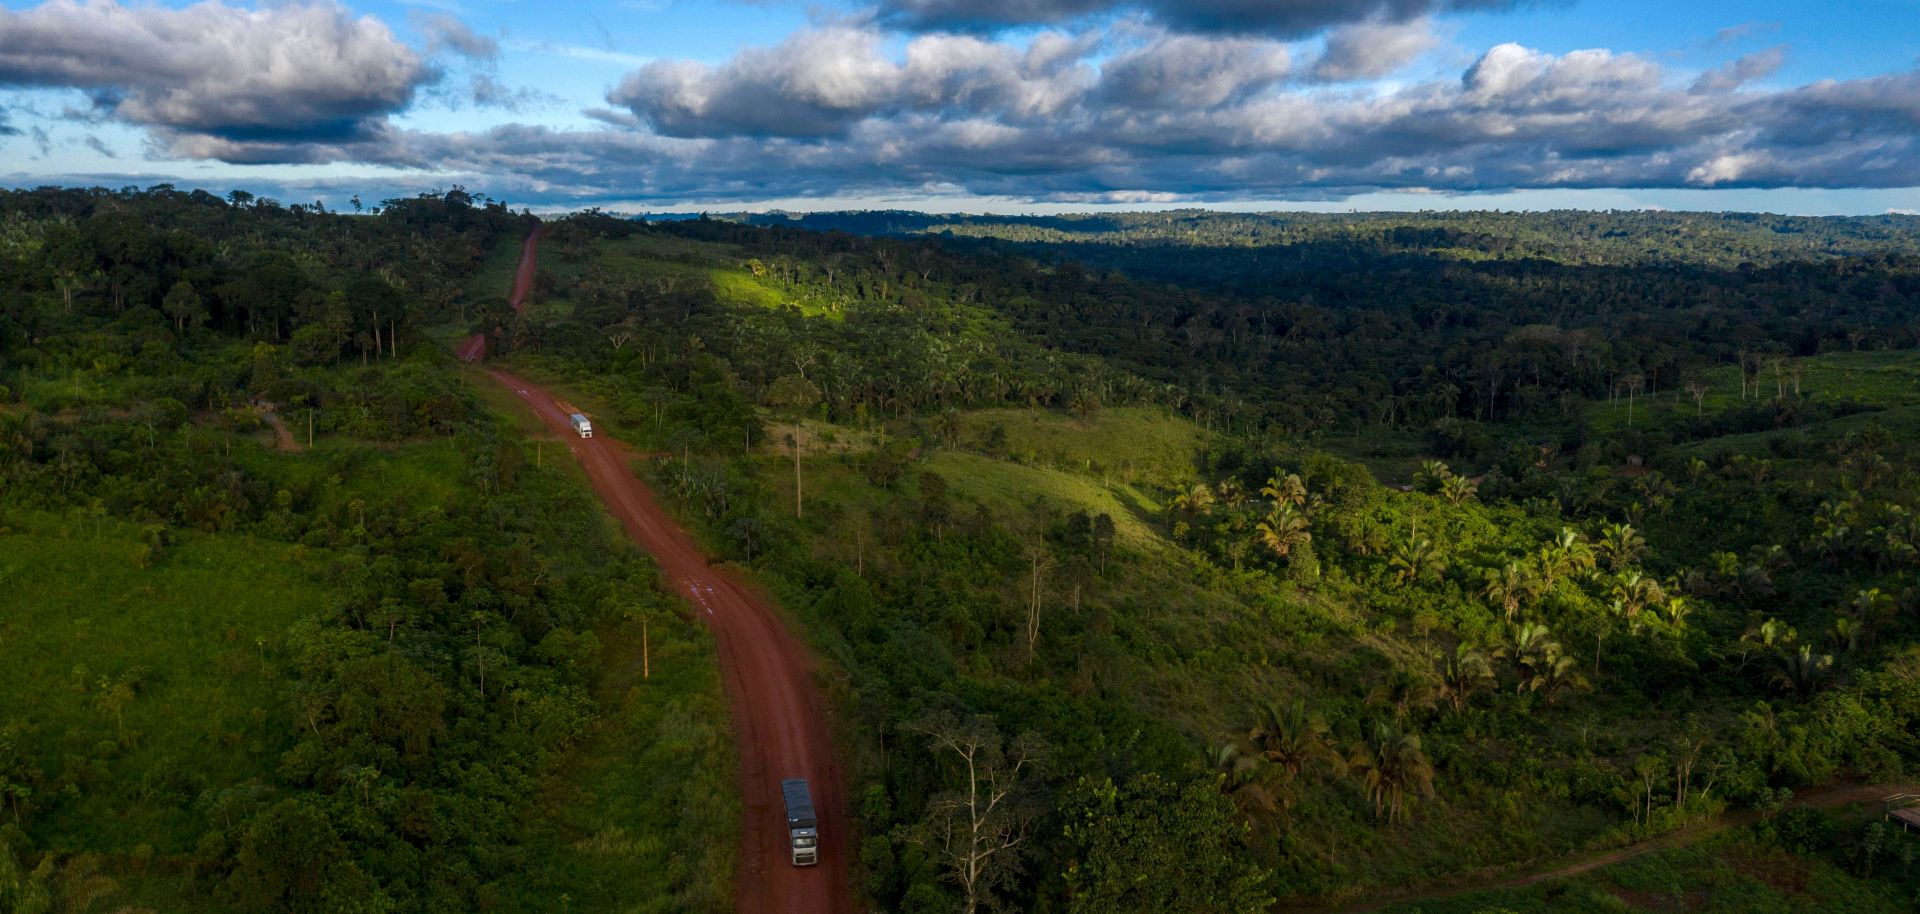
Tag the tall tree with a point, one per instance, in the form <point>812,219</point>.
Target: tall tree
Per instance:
<point>980,821</point>
<point>1391,766</point>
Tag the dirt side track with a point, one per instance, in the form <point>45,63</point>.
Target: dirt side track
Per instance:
<point>779,716</point>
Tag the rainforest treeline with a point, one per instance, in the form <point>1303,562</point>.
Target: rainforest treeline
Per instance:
<point>1480,540</point>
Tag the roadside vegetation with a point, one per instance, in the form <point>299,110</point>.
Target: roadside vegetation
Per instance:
<point>1017,521</point>
<point>388,666</point>
<point>1298,572</point>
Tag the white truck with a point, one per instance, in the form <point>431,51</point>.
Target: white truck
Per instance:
<point>581,424</point>
<point>803,830</point>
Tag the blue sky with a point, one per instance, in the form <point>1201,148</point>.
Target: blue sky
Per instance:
<point>982,105</point>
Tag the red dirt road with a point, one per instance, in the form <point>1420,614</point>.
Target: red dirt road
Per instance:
<point>474,348</point>
<point>529,262</point>
<point>777,712</point>
<point>779,717</point>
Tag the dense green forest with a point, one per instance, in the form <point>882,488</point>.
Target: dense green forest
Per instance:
<point>354,665</point>
<point>1261,560</point>
<point>1080,508</point>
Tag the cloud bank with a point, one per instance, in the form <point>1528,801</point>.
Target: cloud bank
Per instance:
<point>1276,18</point>
<point>1121,102</point>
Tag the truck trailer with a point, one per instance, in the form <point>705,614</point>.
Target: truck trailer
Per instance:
<point>581,424</point>
<point>803,830</point>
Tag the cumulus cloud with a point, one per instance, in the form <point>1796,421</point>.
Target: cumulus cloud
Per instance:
<point>819,83</point>
<point>1742,70</point>
<point>815,83</point>
<point>1178,117</point>
<point>1743,31</point>
<point>1211,117</point>
<point>445,32</point>
<point>1185,71</point>
<point>287,72</point>
<point>1284,18</point>
<point>1148,109</point>
<point>1370,50</point>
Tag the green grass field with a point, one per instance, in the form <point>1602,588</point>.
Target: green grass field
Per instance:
<point>1124,444</point>
<point>1015,489</point>
<point>1889,378</point>
<point>647,257</point>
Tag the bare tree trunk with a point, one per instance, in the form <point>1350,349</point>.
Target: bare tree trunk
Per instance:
<point>793,443</point>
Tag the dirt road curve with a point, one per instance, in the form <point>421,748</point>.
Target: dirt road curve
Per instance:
<point>1829,797</point>
<point>778,715</point>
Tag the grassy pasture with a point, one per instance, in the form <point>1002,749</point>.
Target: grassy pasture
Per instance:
<point>1126,444</point>
<point>654,257</point>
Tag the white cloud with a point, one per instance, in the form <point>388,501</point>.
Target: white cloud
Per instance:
<point>1370,50</point>
<point>292,71</point>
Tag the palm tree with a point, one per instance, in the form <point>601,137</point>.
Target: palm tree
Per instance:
<point>1231,493</point>
<point>1509,586</point>
<point>1195,502</point>
<point>1404,691</point>
<point>1463,673</point>
<point>1413,560</point>
<point>1872,607</point>
<point>1802,671</point>
<point>1696,468</point>
<point>1288,735</point>
<point>1604,627</point>
<point>1391,764</point>
<point>1240,779</point>
<point>1458,490</point>
<point>1622,545</point>
<point>1556,675</point>
<point>1868,465</point>
<point>1526,651</point>
<point>1568,554</point>
<point>1754,469</point>
<point>1677,608</point>
<point>1288,490</point>
<point>1635,591</point>
<point>947,426</point>
<point>1284,530</point>
<point>1431,476</point>
<point>1771,635</point>
<point>1845,634</point>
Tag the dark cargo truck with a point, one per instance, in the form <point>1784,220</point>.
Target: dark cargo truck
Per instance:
<point>803,830</point>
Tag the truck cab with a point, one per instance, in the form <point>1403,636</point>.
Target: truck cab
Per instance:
<point>581,424</point>
<point>803,829</point>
